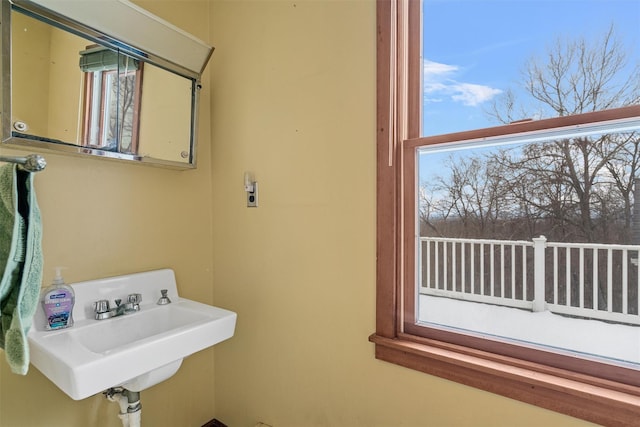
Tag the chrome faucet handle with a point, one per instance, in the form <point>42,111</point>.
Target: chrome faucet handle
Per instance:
<point>101,306</point>
<point>164,299</point>
<point>133,302</point>
<point>134,298</point>
<point>102,310</point>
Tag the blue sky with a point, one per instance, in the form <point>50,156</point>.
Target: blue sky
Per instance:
<point>474,50</point>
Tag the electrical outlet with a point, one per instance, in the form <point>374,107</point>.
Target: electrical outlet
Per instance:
<point>252,196</point>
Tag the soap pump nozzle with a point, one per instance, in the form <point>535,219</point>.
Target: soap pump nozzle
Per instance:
<point>58,280</point>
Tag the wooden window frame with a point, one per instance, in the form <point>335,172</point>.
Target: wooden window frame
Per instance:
<point>87,107</point>
<point>600,395</point>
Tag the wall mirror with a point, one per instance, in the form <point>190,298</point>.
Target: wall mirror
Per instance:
<point>73,86</point>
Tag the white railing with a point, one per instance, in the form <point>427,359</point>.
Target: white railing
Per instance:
<point>597,281</point>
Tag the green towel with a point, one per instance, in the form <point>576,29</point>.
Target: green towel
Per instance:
<point>21,256</point>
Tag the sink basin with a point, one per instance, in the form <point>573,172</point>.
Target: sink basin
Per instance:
<point>135,351</point>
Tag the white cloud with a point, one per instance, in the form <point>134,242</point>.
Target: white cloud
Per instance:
<point>439,83</point>
<point>473,94</point>
<point>432,87</point>
<point>436,69</point>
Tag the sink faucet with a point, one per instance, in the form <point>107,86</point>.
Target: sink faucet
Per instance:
<point>103,311</point>
<point>133,302</point>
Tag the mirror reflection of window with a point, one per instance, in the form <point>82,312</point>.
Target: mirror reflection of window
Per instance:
<point>111,99</point>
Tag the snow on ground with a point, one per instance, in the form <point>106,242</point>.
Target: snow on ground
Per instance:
<point>592,337</point>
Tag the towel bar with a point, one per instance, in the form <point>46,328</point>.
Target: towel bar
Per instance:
<point>30,163</point>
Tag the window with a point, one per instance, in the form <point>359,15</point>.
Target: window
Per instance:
<point>113,84</point>
<point>476,261</point>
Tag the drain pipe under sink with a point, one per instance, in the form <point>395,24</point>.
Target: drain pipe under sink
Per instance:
<point>130,406</point>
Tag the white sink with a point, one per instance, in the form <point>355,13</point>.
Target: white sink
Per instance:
<point>135,351</point>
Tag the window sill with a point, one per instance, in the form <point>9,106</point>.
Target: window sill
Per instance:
<point>578,395</point>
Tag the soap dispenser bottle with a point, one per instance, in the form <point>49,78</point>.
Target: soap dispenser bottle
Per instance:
<point>57,301</point>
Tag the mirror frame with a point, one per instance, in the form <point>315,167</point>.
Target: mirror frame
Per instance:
<point>67,24</point>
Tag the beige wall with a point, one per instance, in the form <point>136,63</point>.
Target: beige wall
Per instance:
<point>66,89</point>
<point>292,100</point>
<point>31,41</point>
<point>46,79</point>
<point>166,98</point>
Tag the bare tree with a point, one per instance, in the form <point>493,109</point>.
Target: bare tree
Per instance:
<point>575,180</point>
<point>471,199</point>
<point>578,188</point>
<point>574,77</point>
